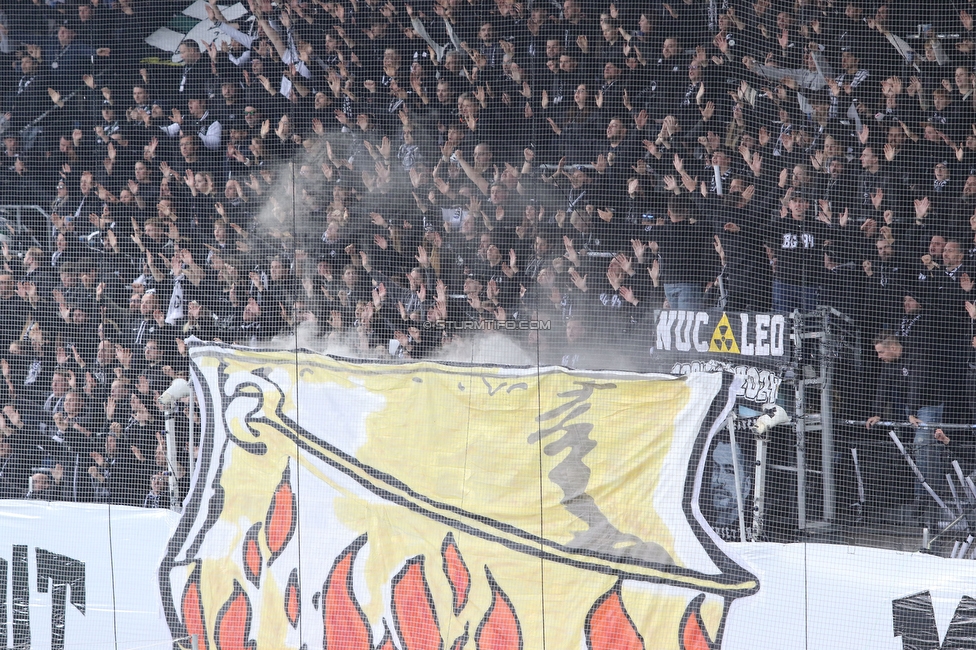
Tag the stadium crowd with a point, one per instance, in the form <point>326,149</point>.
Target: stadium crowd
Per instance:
<point>381,172</point>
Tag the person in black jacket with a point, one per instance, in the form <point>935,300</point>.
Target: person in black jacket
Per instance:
<point>66,58</point>
<point>795,245</point>
<point>689,262</point>
<point>917,367</point>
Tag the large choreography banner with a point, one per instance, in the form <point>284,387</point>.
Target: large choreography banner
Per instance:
<point>350,506</point>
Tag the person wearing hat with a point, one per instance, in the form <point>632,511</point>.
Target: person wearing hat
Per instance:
<point>229,107</point>
<point>107,127</point>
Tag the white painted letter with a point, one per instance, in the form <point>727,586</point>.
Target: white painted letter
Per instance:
<point>664,323</point>
<point>745,347</point>
<point>701,318</point>
<point>762,335</point>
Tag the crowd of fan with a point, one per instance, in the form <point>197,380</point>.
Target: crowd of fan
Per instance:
<point>371,171</point>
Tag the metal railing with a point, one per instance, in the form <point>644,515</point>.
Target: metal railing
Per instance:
<point>16,211</point>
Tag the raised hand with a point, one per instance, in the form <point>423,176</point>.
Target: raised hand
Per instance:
<point>628,294</point>
<point>756,165</point>
<point>922,207</point>
<point>708,110</point>
<point>863,134</point>
<point>571,253</point>
<point>578,280</point>
<point>877,197</point>
<point>639,249</point>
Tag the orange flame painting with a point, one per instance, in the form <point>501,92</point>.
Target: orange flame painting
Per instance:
<point>500,628</point>
<point>293,599</point>
<point>609,627</point>
<point>233,625</point>
<point>457,573</point>
<point>413,608</point>
<point>192,608</point>
<point>282,517</point>
<point>345,625</point>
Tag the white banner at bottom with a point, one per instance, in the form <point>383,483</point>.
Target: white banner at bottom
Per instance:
<point>86,576</point>
<point>81,576</point>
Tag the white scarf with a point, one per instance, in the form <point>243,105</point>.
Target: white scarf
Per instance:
<point>175,311</point>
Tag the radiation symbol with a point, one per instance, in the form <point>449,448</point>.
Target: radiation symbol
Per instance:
<point>723,340</point>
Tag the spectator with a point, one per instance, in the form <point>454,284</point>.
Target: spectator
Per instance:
<point>461,159</point>
<point>795,247</point>
<point>687,258</point>
<point>917,369</point>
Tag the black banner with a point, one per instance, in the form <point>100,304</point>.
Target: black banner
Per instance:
<point>740,337</point>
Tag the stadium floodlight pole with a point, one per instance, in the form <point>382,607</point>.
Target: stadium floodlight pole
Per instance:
<point>177,390</point>
<point>737,474</point>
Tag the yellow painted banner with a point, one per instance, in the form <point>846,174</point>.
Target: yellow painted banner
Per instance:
<point>358,505</point>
